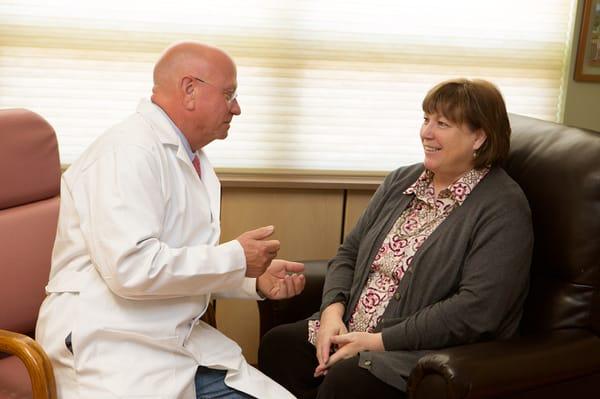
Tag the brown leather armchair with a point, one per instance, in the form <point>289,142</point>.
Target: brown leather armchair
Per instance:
<point>558,352</point>
<point>29,201</point>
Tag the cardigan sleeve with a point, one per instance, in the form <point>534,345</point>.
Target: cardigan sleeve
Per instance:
<point>491,291</point>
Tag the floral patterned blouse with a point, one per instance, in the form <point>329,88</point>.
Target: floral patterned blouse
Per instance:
<point>422,216</point>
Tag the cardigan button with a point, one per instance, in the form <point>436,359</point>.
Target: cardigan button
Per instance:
<point>367,363</point>
<point>397,296</point>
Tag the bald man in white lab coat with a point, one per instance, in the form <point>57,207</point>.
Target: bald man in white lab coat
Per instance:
<point>137,255</point>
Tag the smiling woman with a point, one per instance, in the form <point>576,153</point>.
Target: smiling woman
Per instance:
<point>324,85</point>
<point>426,266</point>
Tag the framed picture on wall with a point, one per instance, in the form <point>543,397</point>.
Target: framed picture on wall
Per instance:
<point>587,64</point>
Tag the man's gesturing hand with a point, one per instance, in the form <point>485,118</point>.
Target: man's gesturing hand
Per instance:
<point>259,252</point>
<point>277,283</point>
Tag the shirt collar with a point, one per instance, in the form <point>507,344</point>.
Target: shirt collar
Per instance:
<point>182,138</point>
<point>422,188</point>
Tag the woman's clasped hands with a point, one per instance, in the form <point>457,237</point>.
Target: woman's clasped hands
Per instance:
<point>334,334</point>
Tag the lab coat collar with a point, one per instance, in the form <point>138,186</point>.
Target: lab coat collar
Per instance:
<point>158,118</point>
<point>163,127</point>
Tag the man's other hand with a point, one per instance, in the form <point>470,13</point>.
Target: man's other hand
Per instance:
<point>282,279</point>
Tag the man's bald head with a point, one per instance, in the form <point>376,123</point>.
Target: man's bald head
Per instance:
<point>186,58</point>
<point>192,84</point>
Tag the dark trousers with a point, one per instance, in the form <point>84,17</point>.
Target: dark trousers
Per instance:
<point>286,356</point>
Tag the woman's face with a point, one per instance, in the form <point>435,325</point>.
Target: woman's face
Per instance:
<point>448,146</point>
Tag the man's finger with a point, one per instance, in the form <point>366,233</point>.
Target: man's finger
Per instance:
<point>299,282</point>
<point>261,233</point>
<point>290,290</point>
<point>294,267</point>
<point>272,246</point>
<point>283,289</point>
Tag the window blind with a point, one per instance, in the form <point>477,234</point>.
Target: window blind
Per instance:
<point>326,85</point>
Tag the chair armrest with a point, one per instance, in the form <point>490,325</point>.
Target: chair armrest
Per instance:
<point>499,368</point>
<point>274,313</point>
<point>35,360</point>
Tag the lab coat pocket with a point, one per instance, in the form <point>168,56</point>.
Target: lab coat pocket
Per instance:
<point>137,365</point>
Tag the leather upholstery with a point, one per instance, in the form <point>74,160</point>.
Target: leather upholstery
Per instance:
<point>25,266</point>
<point>558,168</point>
<point>29,202</point>
<point>29,166</point>
<point>14,380</point>
<point>558,354</point>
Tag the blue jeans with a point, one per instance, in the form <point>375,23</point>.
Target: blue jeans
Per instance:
<point>210,384</point>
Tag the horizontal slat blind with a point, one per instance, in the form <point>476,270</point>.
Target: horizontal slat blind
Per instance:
<point>333,85</point>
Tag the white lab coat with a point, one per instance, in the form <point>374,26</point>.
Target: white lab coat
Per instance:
<point>135,262</point>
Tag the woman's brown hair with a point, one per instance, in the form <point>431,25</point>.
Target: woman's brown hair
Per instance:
<point>478,104</point>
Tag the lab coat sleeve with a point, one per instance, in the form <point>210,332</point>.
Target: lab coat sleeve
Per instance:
<point>121,202</point>
<point>246,291</point>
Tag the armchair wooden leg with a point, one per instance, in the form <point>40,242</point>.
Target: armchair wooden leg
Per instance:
<point>35,360</point>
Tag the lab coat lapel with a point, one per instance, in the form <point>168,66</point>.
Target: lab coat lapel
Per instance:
<point>212,184</point>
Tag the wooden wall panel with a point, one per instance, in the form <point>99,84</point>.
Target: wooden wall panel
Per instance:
<point>308,224</point>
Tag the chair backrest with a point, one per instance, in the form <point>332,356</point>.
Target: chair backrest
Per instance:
<point>558,168</point>
<point>29,202</point>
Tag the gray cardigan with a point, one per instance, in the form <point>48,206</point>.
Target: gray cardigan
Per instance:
<point>466,283</point>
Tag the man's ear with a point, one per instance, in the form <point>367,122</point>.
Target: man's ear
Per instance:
<point>188,91</point>
<point>480,138</point>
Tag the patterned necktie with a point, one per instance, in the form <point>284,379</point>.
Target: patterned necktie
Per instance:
<point>196,163</point>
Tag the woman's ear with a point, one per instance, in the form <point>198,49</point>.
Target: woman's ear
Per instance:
<point>480,137</point>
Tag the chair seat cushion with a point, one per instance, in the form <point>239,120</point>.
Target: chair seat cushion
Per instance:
<point>14,380</point>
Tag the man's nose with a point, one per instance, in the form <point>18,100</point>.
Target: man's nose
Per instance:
<point>235,107</point>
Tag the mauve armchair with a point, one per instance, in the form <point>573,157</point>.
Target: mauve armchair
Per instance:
<point>29,201</point>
